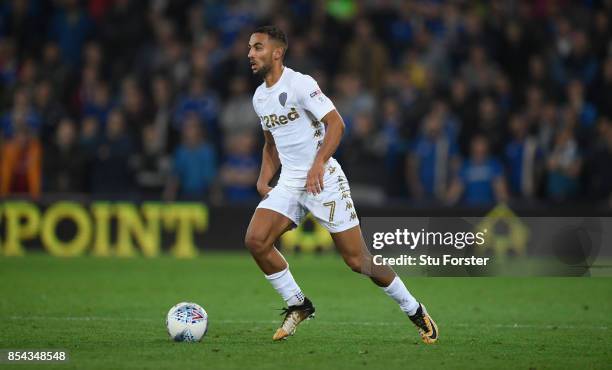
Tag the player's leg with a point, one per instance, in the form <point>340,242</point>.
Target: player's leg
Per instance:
<point>265,228</point>
<point>275,215</point>
<point>353,250</point>
<point>352,247</point>
<point>334,209</point>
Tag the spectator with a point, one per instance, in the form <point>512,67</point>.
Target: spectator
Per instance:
<point>153,57</point>
<point>463,104</point>
<point>133,107</point>
<point>600,183</point>
<point>21,113</point>
<point>481,179</point>
<point>174,60</point>
<point>564,164</point>
<point>547,127</point>
<point>28,74</point>
<point>197,24</point>
<point>20,163</point>
<point>415,69</point>
<point>432,53</point>
<point>522,157</point>
<point>100,104</point>
<point>450,125</point>
<point>94,58</point>
<point>194,165</point>
<point>70,28</point>
<point>362,160</point>
<point>601,33</point>
<point>240,169</point>
<point>391,122</point>
<point>238,115</point>
<point>300,58</point>
<point>586,111</point>
<point>53,69</point>
<point>491,124</point>
<point>504,96</point>
<point>199,66</point>
<point>204,103</point>
<point>352,99</point>
<point>85,92</point>
<point>161,114</point>
<point>402,28</point>
<point>575,60</point>
<point>24,25</point>
<point>231,65</point>
<point>90,133</point>
<point>64,162</point>
<point>88,141</point>
<point>514,52</point>
<point>394,145</point>
<point>151,164</point>
<point>8,65</point>
<point>603,89</point>
<point>432,158</point>
<point>478,71</point>
<point>111,172</point>
<point>47,106</point>
<point>539,75</point>
<point>123,27</point>
<point>534,104</point>
<point>366,56</point>
<point>417,103</point>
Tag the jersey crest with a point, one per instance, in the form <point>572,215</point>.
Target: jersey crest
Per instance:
<point>282,98</point>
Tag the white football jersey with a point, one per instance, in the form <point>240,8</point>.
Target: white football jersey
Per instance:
<point>292,110</point>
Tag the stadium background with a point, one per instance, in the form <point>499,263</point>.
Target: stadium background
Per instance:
<point>123,103</point>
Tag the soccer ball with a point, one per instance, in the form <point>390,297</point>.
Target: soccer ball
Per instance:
<point>187,322</point>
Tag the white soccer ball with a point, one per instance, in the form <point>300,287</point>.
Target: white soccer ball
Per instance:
<point>187,322</point>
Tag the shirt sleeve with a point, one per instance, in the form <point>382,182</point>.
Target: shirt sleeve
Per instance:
<point>311,98</point>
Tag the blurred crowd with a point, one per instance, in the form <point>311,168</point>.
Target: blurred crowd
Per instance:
<point>445,102</point>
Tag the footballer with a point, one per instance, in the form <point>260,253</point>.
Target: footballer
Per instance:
<point>302,130</point>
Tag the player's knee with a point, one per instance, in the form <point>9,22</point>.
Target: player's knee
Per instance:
<point>255,244</point>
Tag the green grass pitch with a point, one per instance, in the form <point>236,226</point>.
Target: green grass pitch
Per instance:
<point>110,313</point>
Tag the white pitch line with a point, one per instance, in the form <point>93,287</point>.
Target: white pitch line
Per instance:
<point>264,322</point>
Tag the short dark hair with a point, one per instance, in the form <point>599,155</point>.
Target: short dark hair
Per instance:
<point>274,33</point>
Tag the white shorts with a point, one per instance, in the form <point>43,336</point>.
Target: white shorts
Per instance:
<point>333,208</point>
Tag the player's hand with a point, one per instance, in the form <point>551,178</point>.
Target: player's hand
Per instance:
<point>263,189</point>
<point>314,181</point>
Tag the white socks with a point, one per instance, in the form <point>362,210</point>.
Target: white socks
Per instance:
<point>286,286</point>
<point>397,290</point>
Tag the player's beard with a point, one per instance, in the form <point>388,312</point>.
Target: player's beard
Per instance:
<point>263,71</point>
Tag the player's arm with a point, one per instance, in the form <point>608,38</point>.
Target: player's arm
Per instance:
<point>333,134</point>
<point>270,163</point>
